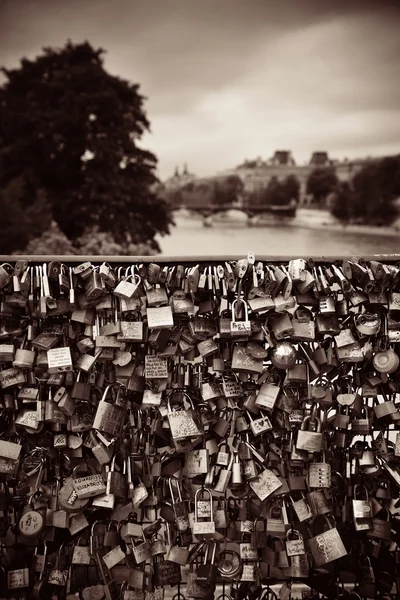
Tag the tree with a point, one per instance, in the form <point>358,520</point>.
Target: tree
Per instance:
<point>370,196</point>
<point>321,182</point>
<point>291,188</point>
<point>70,129</point>
<point>93,242</point>
<point>19,222</point>
<point>277,193</point>
<point>343,201</point>
<point>227,190</point>
<point>375,189</point>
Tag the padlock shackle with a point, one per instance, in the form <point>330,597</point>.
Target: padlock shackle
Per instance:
<point>172,393</point>
<point>171,489</point>
<point>110,386</point>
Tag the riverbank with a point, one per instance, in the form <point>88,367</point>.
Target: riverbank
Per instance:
<point>323,220</point>
<point>305,218</point>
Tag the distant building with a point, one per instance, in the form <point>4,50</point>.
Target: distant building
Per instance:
<point>257,173</point>
<point>179,179</point>
<point>320,159</point>
<point>282,158</point>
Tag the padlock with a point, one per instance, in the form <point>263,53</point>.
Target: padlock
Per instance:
<point>260,425</point>
<point>362,510</point>
<point>319,474</point>
<point>362,424</point>
<point>207,526</point>
<point>182,423</point>
<point>236,479</point>
<point>367,586</point>
<point>176,553</point>
<point>281,557</point>
<point>294,543</point>
<point>207,572</point>
<point>58,575</point>
<point>224,423</point>
<point>111,535</point>
<point>381,528</point>
<point>32,521</point>
<point>275,522</point>
<point>326,546</point>
<point>220,516</point>
<point>319,503</point>
<point>240,328</point>
<point>223,456</point>
<point>247,551</point>
<point>307,440</point>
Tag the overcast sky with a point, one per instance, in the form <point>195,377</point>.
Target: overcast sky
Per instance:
<point>233,79</point>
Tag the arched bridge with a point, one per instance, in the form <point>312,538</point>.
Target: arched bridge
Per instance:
<point>207,210</point>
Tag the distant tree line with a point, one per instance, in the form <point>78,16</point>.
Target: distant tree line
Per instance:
<point>369,197</point>
<point>229,190</point>
<point>276,192</point>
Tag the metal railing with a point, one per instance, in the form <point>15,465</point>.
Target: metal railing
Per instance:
<point>185,260</point>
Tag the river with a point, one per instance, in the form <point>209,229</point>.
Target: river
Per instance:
<point>190,238</point>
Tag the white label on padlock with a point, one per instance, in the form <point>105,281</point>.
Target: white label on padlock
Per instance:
<point>17,579</point>
<point>156,367</point>
<point>89,486</point>
<point>240,327</point>
<point>232,389</point>
<point>245,526</point>
<point>200,527</point>
<point>247,552</point>
<point>59,359</point>
<point>58,577</point>
<point>203,509</point>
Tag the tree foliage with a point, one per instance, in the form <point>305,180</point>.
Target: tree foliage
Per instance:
<point>93,242</point>
<point>291,188</point>
<point>369,197</point>
<point>227,190</point>
<point>70,130</point>
<point>277,193</point>
<point>321,182</point>
<point>341,207</point>
<point>20,222</point>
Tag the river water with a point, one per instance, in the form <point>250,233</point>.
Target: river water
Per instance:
<point>190,238</point>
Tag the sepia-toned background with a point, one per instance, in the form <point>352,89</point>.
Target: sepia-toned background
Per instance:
<point>268,122</point>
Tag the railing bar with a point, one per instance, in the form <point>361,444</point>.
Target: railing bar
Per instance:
<point>159,258</point>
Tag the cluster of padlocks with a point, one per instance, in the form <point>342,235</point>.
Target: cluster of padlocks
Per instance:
<point>199,430</point>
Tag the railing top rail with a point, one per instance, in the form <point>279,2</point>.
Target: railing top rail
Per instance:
<point>158,258</point>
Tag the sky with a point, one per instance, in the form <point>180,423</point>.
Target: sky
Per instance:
<point>228,80</point>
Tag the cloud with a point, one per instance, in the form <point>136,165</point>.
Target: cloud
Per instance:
<point>227,79</point>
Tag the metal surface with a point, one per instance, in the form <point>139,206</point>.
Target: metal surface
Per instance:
<point>159,258</point>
